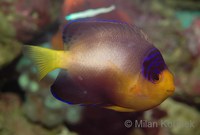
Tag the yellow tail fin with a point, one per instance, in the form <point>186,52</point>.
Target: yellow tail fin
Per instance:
<point>45,59</point>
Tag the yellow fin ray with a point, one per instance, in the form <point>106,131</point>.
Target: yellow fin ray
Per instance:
<point>120,109</point>
<point>45,59</point>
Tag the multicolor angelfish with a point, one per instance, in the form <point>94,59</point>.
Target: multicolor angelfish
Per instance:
<point>106,63</point>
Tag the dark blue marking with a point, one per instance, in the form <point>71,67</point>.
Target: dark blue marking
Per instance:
<point>152,56</point>
<point>57,97</point>
<point>152,62</point>
<point>153,65</point>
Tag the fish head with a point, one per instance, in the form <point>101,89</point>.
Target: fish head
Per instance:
<point>156,82</point>
<point>162,84</point>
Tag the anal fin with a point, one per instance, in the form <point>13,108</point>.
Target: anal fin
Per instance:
<point>67,90</point>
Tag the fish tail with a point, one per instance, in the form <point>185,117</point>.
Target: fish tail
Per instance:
<point>45,59</point>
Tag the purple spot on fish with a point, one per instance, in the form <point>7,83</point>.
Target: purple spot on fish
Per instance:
<point>153,65</point>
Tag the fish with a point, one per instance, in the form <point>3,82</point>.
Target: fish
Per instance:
<point>106,63</point>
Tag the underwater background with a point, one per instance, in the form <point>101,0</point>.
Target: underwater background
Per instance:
<point>26,104</point>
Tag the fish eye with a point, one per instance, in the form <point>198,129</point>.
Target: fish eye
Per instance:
<point>155,77</point>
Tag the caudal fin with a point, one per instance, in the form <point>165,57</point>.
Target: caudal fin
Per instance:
<point>45,59</point>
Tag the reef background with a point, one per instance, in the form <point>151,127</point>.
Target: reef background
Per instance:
<point>27,106</point>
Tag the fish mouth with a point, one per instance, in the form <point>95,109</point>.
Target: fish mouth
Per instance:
<point>170,92</point>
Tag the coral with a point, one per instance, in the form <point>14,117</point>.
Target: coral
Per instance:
<point>193,38</point>
<point>65,131</point>
<point>30,17</point>
<point>184,118</point>
<point>13,122</point>
<point>10,48</point>
<point>50,112</point>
